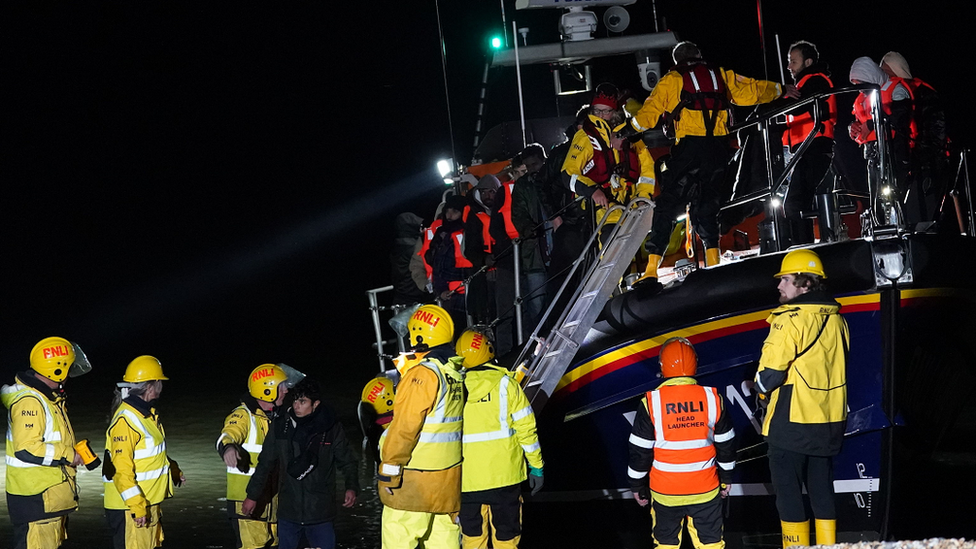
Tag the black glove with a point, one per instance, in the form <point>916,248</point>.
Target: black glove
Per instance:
<point>535,483</point>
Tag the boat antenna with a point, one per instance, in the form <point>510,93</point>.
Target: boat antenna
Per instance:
<point>762,38</point>
<point>518,73</point>
<point>505,23</point>
<point>447,93</point>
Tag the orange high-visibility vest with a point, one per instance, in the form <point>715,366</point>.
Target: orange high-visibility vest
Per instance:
<point>684,418</point>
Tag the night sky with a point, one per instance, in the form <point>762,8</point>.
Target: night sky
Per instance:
<point>216,184</point>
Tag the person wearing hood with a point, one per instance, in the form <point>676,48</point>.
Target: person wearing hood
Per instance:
<point>445,255</point>
<point>137,472</point>
<point>305,446</point>
<point>420,452</point>
<point>239,445</point>
<point>802,381</point>
<point>409,276</point>
<point>811,77</point>
<point>41,459</point>
<point>478,247</point>
<point>896,105</point>
<point>693,98</point>
<point>499,438</point>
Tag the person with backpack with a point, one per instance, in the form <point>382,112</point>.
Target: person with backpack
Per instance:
<point>694,99</point>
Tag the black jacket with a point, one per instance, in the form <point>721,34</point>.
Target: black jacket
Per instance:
<point>293,445</point>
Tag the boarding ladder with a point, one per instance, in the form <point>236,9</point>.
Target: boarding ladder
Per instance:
<point>552,355</point>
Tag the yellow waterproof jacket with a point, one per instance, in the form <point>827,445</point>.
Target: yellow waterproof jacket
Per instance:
<point>40,445</point>
<point>420,451</point>
<point>246,426</point>
<point>137,473</point>
<point>667,94</point>
<point>580,156</point>
<point>803,370</point>
<point>499,431</point>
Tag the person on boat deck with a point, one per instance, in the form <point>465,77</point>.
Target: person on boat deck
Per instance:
<point>305,447</point>
<point>695,96</point>
<point>602,167</point>
<point>802,384</point>
<point>499,436</point>
<point>478,246</point>
<point>530,211</point>
<point>420,452</point>
<point>930,171</point>
<point>239,446</point>
<point>682,452</point>
<point>896,105</point>
<point>810,176</point>
<point>40,455</point>
<point>445,255</point>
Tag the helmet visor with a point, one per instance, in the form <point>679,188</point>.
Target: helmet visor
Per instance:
<point>294,376</point>
<point>81,366</point>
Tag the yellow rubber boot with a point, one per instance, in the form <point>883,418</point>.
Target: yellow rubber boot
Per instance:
<point>826,531</point>
<point>796,533</point>
<point>653,261</point>
<point>712,257</point>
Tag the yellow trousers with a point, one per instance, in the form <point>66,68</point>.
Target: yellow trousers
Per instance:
<point>408,529</point>
<point>47,533</point>
<point>127,535</point>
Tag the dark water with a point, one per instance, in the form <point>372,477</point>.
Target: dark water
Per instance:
<point>196,516</point>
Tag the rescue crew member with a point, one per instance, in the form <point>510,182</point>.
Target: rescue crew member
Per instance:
<point>499,437</point>
<point>810,173</point>
<point>420,470</point>
<point>375,413</point>
<point>802,376</point>
<point>603,167</point>
<point>682,452</point>
<point>41,459</point>
<point>695,97</point>
<point>137,473</point>
<point>896,106</point>
<point>239,445</point>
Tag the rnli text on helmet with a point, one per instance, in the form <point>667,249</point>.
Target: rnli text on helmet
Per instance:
<point>427,318</point>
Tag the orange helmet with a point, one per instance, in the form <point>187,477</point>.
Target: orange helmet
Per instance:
<point>678,358</point>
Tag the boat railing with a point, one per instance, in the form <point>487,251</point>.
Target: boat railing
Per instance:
<point>375,310</point>
<point>880,174</point>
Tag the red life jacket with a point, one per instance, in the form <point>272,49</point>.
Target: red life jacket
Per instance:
<point>684,418</point>
<point>604,164</point>
<point>428,236</point>
<point>506,209</point>
<point>800,125</point>
<point>485,222</point>
<point>703,89</point>
<point>862,107</point>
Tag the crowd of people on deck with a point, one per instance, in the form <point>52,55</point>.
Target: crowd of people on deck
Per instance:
<point>548,202</point>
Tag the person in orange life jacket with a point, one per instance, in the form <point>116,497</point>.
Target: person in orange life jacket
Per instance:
<point>930,150</point>
<point>682,452</point>
<point>896,107</point>
<point>502,258</point>
<point>695,95</point>
<point>305,446</point>
<point>530,209</point>
<point>810,174</point>
<point>446,257</point>
<point>478,247</point>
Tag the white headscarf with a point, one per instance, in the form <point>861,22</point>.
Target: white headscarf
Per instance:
<point>898,64</point>
<point>865,70</point>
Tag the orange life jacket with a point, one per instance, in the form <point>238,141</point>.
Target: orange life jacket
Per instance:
<point>485,223</point>
<point>604,163</point>
<point>428,236</point>
<point>506,209</point>
<point>862,107</point>
<point>800,125</point>
<point>684,418</point>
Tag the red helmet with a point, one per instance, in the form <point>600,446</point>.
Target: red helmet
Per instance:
<point>678,358</point>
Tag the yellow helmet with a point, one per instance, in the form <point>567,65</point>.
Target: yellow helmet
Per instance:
<point>475,347</point>
<point>430,326</point>
<point>801,261</point>
<point>378,393</point>
<point>144,368</point>
<point>264,381</point>
<point>52,357</point>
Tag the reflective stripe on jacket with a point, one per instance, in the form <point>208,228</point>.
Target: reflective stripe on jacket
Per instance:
<point>800,125</point>
<point>248,430</point>
<point>38,431</point>
<point>499,431</point>
<point>137,447</point>
<point>803,369</point>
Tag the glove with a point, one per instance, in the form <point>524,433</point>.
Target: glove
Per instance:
<point>536,480</point>
<point>627,132</point>
<point>762,402</point>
